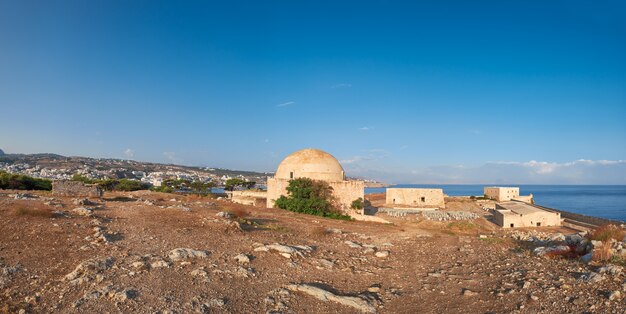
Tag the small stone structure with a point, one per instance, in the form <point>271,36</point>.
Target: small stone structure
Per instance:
<point>248,197</point>
<point>407,197</point>
<point>75,189</point>
<point>516,214</point>
<point>317,165</point>
<point>502,194</point>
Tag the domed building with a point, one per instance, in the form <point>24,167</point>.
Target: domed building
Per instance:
<point>317,165</point>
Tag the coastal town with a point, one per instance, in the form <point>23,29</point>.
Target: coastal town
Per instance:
<point>56,167</point>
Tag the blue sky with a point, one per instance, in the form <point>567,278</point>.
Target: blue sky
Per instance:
<point>432,92</point>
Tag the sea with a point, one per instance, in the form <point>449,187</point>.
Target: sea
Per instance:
<point>604,201</point>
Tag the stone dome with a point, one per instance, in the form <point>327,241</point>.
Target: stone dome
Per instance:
<point>310,163</point>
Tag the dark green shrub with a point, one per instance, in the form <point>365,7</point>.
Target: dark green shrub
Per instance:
<point>310,197</point>
<point>130,185</point>
<point>23,182</point>
<point>83,179</point>
<point>172,185</point>
<point>234,183</point>
<point>357,204</point>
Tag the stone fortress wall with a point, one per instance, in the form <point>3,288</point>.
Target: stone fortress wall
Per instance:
<point>408,197</point>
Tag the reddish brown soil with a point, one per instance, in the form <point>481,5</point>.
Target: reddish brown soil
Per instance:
<point>429,266</point>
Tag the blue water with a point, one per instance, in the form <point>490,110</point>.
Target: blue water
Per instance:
<point>605,201</point>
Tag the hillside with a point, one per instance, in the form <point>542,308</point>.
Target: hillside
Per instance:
<point>151,252</point>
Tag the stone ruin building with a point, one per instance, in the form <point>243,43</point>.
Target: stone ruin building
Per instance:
<point>317,165</point>
<point>75,189</point>
<point>502,194</point>
<point>516,214</point>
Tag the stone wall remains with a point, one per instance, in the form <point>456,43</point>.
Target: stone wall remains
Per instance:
<point>253,198</point>
<point>75,189</point>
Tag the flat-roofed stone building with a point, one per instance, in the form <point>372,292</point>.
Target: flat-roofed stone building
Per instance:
<point>317,165</point>
<point>505,193</point>
<point>514,214</point>
<point>410,197</point>
<point>501,193</point>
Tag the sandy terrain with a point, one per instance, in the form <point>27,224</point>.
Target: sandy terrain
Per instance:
<point>119,259</point>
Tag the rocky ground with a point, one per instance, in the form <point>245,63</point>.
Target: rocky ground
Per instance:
<point>161,253</point>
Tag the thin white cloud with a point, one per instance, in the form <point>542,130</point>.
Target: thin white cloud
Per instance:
<point>370,155</point>
<point>171,157</point>
<point>352,160</point>
<point>365,128</point>
<point>580,171</point>
<point>285,104</point>
<point>129,153</point>
<point>341,85</point>
<point>544,167</point>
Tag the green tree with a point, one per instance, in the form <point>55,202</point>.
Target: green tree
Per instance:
<point>311,197</point>
<point>233,183</point>
<point>172,185</point>
<point>84,179</point>
<point>130,185</point>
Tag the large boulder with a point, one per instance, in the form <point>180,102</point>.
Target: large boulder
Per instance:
<point>540,251</point>
<point>573,239</point>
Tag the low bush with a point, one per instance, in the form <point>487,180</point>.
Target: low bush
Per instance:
<point>618,260</point>
<point>23,182</point>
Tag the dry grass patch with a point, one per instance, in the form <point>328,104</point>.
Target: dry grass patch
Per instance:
<point>602,253</point>
<point>32,210</point>
<point>608,232</point>
<point>462,225</point>
<point>276,227</point>
<point>492,240</point>
<point>238,212</point>
<point>319,231</point>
